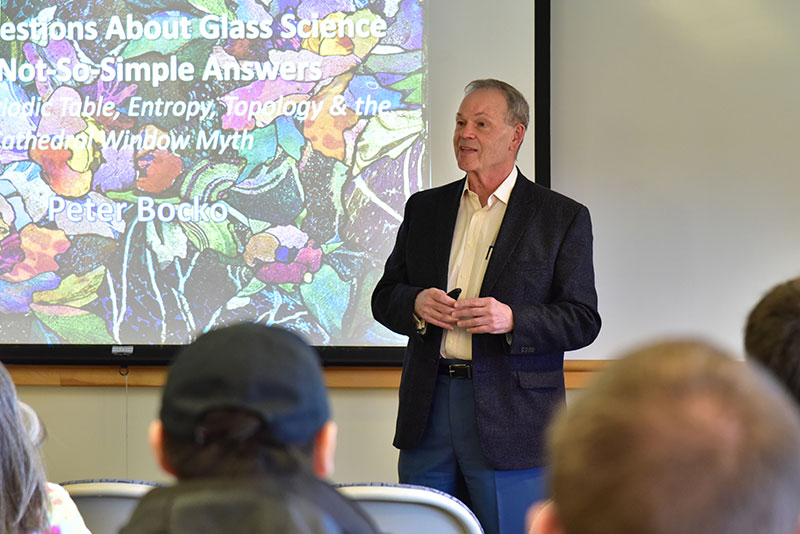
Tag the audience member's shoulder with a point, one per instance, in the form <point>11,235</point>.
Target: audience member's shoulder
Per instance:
<point>64,515</point>
<point>291,504</point>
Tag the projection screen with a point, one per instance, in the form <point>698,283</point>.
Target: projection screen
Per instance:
<point>170,167</point>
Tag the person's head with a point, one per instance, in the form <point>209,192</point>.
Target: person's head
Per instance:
<point>243,400</point>
<point>23,491</point>
<point>674,438</point>
<point>490,127</point>
<point>772,334</point>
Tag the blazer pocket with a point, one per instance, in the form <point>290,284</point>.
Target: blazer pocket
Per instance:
<point>540,379</point>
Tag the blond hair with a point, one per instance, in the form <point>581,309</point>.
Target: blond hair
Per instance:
<point>676,438</point>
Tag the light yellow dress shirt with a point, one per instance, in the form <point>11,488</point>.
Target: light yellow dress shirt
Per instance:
<point>473,243</point>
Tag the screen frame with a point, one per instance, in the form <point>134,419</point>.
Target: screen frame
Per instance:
<point>160,355</point>
<point>334,356</point>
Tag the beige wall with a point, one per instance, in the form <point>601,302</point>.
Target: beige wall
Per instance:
<point>97,432</point>
<point>101,432</point>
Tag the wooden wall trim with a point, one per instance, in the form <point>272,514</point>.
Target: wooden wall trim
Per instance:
<point>576,374</point>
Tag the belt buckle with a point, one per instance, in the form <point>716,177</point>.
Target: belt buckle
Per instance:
<point>459,370</point>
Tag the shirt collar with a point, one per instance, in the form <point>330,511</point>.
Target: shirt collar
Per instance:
<point>503,191</point>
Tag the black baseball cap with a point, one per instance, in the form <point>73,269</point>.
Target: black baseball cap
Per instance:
<point>263,370</point>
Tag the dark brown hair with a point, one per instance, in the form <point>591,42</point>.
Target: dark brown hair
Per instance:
<point>232,443</point>
<point>772,334</point>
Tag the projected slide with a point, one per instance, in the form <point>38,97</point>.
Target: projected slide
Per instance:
<point>169,167</point>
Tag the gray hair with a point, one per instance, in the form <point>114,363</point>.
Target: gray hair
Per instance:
<point>32,424</point>
<point>518,109</point>
<point>23,490</point>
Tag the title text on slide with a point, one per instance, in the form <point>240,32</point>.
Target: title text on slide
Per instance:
<point>188,110</point>
<point>156,72</point>
<point>217,141</point>
<point>208,27</point>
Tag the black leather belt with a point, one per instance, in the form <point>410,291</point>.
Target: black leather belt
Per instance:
<point>455,368</point>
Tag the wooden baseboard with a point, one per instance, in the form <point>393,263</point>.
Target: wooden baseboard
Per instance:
<point>576,374</point>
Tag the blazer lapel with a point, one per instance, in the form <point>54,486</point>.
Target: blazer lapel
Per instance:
<point>518,214</point>
<point>445,223</point>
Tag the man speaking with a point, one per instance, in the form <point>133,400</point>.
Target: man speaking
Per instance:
<point>491,278</point>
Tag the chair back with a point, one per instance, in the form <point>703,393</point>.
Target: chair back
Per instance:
<point>410,509</point>
<point>106,504</point>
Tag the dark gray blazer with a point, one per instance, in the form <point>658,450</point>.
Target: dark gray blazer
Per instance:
<point>541,267</point>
